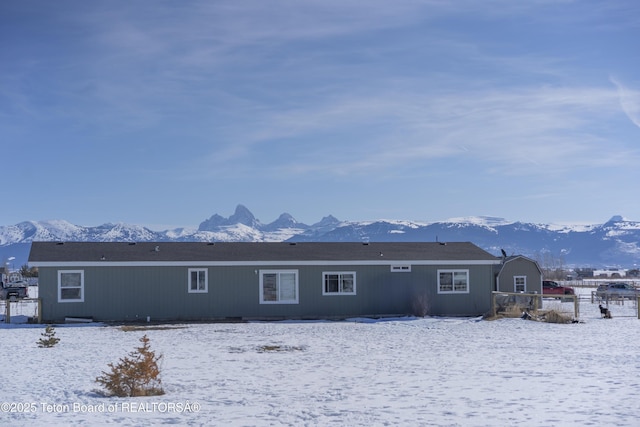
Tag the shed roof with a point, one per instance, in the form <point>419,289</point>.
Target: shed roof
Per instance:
<point>506,260</point>
<point>66,253</point>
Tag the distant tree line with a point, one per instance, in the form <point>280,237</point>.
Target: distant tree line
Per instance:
<point>25,271</point>
<point>552,266</point>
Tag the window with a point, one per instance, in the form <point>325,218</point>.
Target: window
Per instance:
<point>339,283</point>
<point>453,281</point>
<point>71,286</point>
<point>198,281</point>
<point>519,283</point>
<point>278,287</point>
<point>401,268</point>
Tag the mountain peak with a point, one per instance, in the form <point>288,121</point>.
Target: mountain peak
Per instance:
<point>327,221</point>
<point>285,220</point>
<point>212,223</point>
<point>242,215</point>
<point>616,218</point>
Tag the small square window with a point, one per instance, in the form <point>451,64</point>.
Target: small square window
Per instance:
<point>198,282</point>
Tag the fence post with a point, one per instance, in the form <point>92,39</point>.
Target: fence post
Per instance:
<point>7,317</point>
<point>493,304</point>
<point>576,307</point>
<point>39,311</point>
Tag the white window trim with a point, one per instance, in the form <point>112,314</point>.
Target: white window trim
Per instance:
<point>453,291</point>
<point>401,268</point>
<point>339,273</point>
<point>515,283</point>
<point>206,281</point>
<point>278,273</point>
<point>60,287</point>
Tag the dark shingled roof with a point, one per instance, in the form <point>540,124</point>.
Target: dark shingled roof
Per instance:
<point>66,252</point>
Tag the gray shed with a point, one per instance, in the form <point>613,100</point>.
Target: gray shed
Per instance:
<point>116,281</point>
<point>519,274</point>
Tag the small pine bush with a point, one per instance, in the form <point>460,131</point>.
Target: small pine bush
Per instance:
<point>135,375</point>
<point>48,338</point>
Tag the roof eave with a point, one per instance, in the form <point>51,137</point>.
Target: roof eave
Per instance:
<point>253,263</point>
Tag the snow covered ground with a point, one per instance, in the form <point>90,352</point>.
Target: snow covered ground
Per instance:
<point>432,372</point>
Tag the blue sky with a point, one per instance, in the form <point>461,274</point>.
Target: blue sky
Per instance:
<point>163,113</point>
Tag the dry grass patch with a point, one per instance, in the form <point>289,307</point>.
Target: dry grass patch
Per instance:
<point>510,312</point>
<point>269,348</point>
<point>555,316</point>
<point>279,348</point>
<point>420,304</point>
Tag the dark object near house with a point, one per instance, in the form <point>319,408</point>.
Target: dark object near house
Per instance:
<point>14,290</point>
<point>604,312</point>
<point>616,290</point>
<point>553,288</point>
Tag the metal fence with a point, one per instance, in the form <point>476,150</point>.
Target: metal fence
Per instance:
<point>585,302</point>
<point>27,310</point>
<point>503,302</point>
<point>623,307</point>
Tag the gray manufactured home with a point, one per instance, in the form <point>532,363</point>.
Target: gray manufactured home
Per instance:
<point>116,281</point>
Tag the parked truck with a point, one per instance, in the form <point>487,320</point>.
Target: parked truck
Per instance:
<point>14,290</point>
<point>554,288</point>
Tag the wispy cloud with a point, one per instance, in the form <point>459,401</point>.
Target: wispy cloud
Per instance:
<point>629,101</point>
<point>512,131</point>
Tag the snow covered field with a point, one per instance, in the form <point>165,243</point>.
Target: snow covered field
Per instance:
<point>432,371</point>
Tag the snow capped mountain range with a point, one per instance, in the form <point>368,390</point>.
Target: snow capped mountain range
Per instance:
<point>614,243</point>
